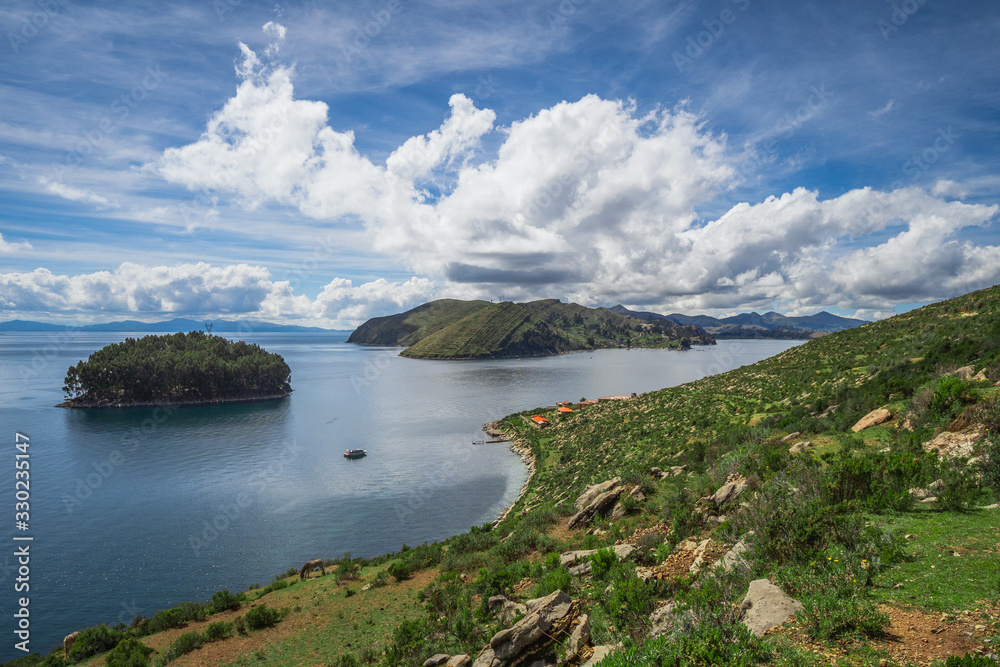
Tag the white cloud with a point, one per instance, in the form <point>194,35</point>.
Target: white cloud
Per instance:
<point>587,199</point>
<point>881,111</point>
<point>72,193</point>
<point>238,290</point>
<point>946,188</point>
<point>13,246</point>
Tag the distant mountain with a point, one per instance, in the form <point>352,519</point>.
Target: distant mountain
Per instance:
<point>176,325</point>
<point>755,325</point>
<point>450,329</point>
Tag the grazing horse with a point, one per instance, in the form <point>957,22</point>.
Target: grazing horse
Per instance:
<point>310,566</point>
<point>69,640</point>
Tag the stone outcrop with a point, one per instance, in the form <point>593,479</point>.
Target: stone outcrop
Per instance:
<point>964,373</point>
<point>733,488</point>
<point>598,499</point>
<point>661,621</point>
<point>578,561</point>
<point>873,418</point>
<point>579,639</point>
<point>766,606</point>
<point>800,447</point>
<point>955,445</point>
<point>437,660</point>
<point>600,653</point>
<point>733,557</point>
<point>504,609</point>
<point>547,619</point>
<point>458,660</point>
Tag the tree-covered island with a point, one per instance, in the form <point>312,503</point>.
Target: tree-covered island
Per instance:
<point>181,368</point>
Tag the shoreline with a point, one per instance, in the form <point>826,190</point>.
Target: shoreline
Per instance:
<point>523,450</point>
<point>69,404</point>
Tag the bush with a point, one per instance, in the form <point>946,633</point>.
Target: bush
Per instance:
<point>406,644</point>
<point>261,617</point>
<point>990,466</point>
<point>240,625</point>
<point>399,570</point>
<point>960,488</point>
<point>602,562</point>
<point>224,601</point>
<point>346,660</point>
<point>219,630</point>
<point>558,579</point>
<point>951,395</point>
<point>347,568</point>
<point>129,653</point>
<point>631,600</point>
<point>93,641</point>
<point>275,585</point>
<point>873,480</point>
<point>704,645</point>
<point>186,643</point>
<point>970,660</point>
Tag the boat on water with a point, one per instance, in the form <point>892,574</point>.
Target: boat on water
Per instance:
<point>355,453</point>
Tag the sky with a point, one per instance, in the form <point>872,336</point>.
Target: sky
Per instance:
<point>323,163</point>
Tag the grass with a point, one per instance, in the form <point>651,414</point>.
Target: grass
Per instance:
<point>933,577</point>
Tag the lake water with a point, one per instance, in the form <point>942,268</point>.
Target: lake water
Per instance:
<point>135,510</point>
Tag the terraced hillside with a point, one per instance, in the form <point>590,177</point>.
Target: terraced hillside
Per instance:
<point>832,505</point>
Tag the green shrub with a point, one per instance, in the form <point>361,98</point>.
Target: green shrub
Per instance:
<point>347,568</point>
<point>602,562</point>
<point>93,641</point>
<point>240,625</point>
<point>186,643</point>
<point>406,644</point>
<point>129,652</point>
<point>631,599</point>
<point>224,601</point>
<point>558,579</point>
<point>399,570</point>
<point>261,617</point>
<point>951,395</point>
<point>874,481</point>
<point>706,644</point>
<point>960,489</point>
<point>346,660</point>
<point>990,466</point>
<point>275,585</point>
<point>219,630</point>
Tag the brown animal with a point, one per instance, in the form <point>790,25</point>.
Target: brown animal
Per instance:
<point>69,640</point>
<point>310,566</point>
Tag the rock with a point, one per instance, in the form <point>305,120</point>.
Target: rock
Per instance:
<point>731,490</point>
<point>657,473</point>
<point>791,437</point>
<point>879,416</point>
<point>436,660</point>
<point>661,621</point>
<point>931,499</point>
<point>591,492</point>
<point>599,505</point>
<point>578,561</point>
<point>766,606</point>
<point>965,372</point>
<point>829,411</point>
<point>733,557</point>
<point>980,377</point>
<point>547,618</point>
<point>458,660</point>
<point>579,639</point>
<point>677,470</point>
<point>699,556</point>
<point>600,653</point>
<point>954,445</point>
<point>994,506</point>
<point>505,609</point>
<point>920,494</point>
<point>618,512</point>
<point>801,446</point>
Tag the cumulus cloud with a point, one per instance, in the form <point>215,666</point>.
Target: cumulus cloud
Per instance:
<point>238,290</point>
<point>590,200</point>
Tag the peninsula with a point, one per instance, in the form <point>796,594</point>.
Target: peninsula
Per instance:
<point>179,369</point>
<point>452,329</point>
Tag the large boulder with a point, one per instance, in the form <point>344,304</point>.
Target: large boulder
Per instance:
<point>547,618</point>
<point>733,488</point>
<point>661,621</point>
<point>599,505</point>
<point>591,492</point>
<point>766,606</point>
<point>873,418</point>
<point>955,445</point>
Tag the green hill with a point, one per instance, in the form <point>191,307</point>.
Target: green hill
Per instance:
<point>415,324</point>
<point>449,329</point>
<point>887,540</point>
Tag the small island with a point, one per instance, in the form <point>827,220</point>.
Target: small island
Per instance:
<point>193,368</point>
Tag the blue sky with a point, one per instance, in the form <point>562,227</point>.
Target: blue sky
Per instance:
<point>325,163</point>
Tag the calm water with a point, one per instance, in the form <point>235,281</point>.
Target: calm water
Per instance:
<point>135,510</point>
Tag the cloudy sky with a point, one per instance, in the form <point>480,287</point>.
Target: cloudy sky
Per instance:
<point>322,163</point>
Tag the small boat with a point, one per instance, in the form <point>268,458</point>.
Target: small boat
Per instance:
<point>355,453</point>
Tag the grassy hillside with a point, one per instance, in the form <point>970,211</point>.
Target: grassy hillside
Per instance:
<point>546,327</point>
<point>415,324</point>
<point>827,514</point>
